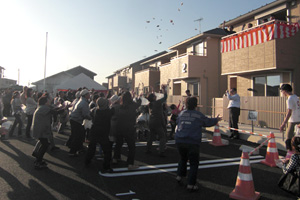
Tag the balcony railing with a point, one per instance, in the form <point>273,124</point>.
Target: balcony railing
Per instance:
<point>259,34</point>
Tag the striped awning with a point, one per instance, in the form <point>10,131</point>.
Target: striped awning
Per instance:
<point>258,35</point>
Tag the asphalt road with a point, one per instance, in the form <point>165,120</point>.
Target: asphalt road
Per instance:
<point>68,178</point>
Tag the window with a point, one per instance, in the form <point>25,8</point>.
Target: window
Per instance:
<point>194,88</point>
<point>273,85</point>
<point>200,49</point>
<point>266,85</point>
<point>177,88</point>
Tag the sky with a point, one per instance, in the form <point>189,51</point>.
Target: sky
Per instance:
<point>102,36</point>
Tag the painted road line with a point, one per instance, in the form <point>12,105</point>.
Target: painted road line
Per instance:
<point>134,173</point>
<point>155,171</point>
<point>140,144</point>
<point>176,164</point>
<point>126,193</point>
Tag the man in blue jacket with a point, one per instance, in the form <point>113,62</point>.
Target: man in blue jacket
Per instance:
<point>188,139</point>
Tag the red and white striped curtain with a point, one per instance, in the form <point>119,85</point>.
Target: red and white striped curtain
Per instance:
<point>259,35</point>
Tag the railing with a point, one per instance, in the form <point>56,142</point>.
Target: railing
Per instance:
<point>148,69</point>
<point>165,64</point>
<point>254,27</point>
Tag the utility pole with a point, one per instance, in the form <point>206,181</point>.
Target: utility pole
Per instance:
<point>199,20</point>
<point>18,76</point>
<point>45,62</point>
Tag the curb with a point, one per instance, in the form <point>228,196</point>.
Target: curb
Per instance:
<point>251,138</point>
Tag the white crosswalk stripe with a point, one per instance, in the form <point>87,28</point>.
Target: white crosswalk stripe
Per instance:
<point>154,169</point>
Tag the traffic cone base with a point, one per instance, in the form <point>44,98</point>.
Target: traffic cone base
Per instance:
<point>234,195</point>
<point>217,144</point>
<point>244,187</point>
<point>272,153</point>
<point>217,141</point>
<point>268,163</point>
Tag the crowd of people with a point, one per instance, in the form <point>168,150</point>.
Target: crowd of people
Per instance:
<point>110,120</point>
<point>113,119</point>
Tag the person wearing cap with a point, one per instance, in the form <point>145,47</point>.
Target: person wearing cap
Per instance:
<point>234,111</point>
<point>292,117</point>
<point>114,100</point>
<point>80,112</point>
<point>99,133</point>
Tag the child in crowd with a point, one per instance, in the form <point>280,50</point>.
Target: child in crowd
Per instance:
<point>174,114</point>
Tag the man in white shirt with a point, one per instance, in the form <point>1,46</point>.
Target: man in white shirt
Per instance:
<point>293,111</point>
<point>234,111</point>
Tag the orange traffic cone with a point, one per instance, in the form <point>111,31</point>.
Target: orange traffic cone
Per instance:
<point>244,187</point>
<point>272,153</point>
<point>217,141</point>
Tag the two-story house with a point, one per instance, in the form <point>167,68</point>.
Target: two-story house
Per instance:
<point>124,78</point>
<point>197,67</point>
<point>148,79</point>
<point>262,57</point>
<point>263,54</point>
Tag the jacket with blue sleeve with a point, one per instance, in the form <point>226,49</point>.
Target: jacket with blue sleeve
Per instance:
<point>189,126</point>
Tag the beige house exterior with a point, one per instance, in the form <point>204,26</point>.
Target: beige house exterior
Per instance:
<point>124,78</point>
<point>197,67</point>
<point>149,78</point>
<point>259,70</point>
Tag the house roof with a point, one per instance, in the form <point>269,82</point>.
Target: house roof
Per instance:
<point>78,68</point>
<point>170,54</point>
<point>110,76</point>
<point>49,77</point>
<point>71,72</point>
<point>216,32</point>
<point>254,12</point>
<point>141,61</point>
<point>81,80</point>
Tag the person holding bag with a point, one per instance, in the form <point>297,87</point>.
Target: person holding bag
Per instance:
<point>289,181</point>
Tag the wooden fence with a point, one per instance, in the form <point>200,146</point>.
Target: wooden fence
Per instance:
<point>271,110</point>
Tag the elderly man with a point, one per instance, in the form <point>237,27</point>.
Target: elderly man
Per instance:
<point>234,111</point>
<point>80,112</point>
